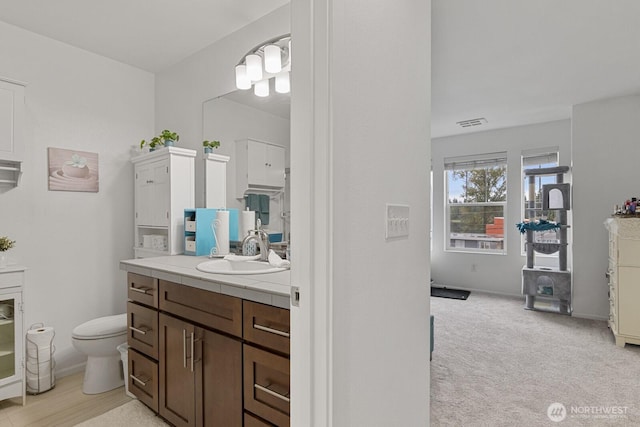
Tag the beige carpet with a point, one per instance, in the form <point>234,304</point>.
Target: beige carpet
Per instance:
<point>130,414</point>
<point>496,364</point>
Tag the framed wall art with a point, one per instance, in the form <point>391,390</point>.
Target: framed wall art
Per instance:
<point>72,170</point>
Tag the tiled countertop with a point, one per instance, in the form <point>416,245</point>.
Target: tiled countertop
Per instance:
<point>271,288</point>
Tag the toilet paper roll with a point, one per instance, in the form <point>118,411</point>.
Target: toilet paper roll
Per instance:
<point>38,354</point>
<point>38,369</point>
<point>221,230</point>
<point>247,222</point>
<point>38,385</point>
<point>40,337</point>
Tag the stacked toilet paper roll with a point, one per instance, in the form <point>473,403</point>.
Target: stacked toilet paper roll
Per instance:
<point>221,230</point>
<point>246,222</point>
<point>40,361</point>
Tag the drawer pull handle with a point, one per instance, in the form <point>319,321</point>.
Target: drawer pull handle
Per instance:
<point>140,331</point>
<point>271,392</point>
<point>271,330</point>
<point>141,290</point>
<point>138,380</point>
<point>184,348</point>
<point>192,349</point>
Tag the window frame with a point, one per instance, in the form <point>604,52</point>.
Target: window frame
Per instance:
<point>480,161</point>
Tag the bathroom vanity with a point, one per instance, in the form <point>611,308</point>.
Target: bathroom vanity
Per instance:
<point>208,349</point>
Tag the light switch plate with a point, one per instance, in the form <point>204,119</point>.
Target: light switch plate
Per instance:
<point>396,221</point>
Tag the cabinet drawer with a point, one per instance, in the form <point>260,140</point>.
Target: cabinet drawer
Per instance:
<point>266,326</point>
<point>143,379</point>
<point>210,309</point>
<point>266,385</point>
<point>628,250</point>
<point>142,289</point>
<point>251,420</point>
<point>142,329</point>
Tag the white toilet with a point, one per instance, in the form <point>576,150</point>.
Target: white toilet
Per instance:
<point>99,339</point>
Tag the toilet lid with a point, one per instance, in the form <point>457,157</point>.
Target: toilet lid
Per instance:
<point>102,327</point>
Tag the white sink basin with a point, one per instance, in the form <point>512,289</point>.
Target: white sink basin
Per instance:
<point>223,266</point>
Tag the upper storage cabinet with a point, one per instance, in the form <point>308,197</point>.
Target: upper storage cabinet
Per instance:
<point>259,166</point>
<point>164,187</point>
<point>11,131</point>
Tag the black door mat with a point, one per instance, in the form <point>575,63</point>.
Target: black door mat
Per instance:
<point>449,293</point>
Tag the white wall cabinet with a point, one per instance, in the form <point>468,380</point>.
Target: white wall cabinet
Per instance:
<point>215,181</point>
<point>259,166</point>
<point>624,279</point>
<point>11,131</point>
<point>164,187</point>
<point>11,334</point>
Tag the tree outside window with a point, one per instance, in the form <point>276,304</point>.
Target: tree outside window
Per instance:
<point>476,201</point>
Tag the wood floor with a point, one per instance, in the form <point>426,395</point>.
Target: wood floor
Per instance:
<point>64,405</point>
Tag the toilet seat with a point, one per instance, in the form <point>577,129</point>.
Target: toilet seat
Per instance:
<point>102,327</point>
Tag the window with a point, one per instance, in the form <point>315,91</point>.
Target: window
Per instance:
<point>537,160</point>
<point>476,202</point>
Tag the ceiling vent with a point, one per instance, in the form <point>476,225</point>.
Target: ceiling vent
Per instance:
<point>472,122</point>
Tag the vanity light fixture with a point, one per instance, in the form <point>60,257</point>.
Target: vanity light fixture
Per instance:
<point>260,64</point>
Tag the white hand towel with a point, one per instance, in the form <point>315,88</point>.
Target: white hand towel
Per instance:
<point>276,261</point>
<point>237,258</point>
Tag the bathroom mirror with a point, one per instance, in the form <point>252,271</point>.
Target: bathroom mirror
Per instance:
<point>239,115</point>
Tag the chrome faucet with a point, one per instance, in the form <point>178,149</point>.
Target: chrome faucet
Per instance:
<point>260,236</point>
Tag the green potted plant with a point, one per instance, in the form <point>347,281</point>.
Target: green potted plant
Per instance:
<point>155,141</point>
<point>168,138</point>
<point>5,244</point>
<point>210,145</point>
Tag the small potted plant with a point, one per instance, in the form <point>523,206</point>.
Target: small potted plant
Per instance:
<point>210,145</point>
<point>155,142</point>
<point>5,244</point>
<point>168,138</point>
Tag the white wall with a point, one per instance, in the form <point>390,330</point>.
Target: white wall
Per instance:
<point>71,242</point>
<point>228,121</point>
<point>360,139</point>
<point>493,273</point>
<point>605,172</point>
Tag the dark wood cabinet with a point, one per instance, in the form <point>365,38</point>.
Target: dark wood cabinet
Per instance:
<point>202,358</point>
<point>143,379</point>
<point>220,380</point>
<point>142,323</point>
<point>266,364</point>
<point>177,371</point>
<point>200,374</point>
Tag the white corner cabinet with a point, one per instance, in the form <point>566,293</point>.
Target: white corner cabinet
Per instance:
<point>11,131</point>
<point>164,187</point>
<point>215,180</point>
<point>260,165</point>
<point>624,279</point>
<point>11,334</point>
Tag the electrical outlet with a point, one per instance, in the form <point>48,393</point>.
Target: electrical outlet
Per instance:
<point>396,221</point>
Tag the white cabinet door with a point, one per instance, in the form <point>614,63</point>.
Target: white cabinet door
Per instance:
<point>265,164</point>
<point>11,120</point>
<point>152,190</point>
<point>257,162</point>
<point>274,173</point>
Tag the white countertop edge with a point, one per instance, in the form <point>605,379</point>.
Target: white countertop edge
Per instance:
<point>271,288</point>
